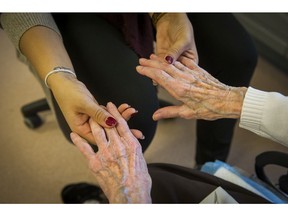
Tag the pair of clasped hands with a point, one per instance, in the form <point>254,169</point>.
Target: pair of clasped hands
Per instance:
<point>119,165</point>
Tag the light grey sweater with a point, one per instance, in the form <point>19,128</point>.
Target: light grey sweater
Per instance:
<point>16,24</point>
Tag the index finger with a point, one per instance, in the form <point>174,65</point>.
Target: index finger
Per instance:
<point>82,145</point>
<point>122,126</point>
<point>160,76</point>
<point>98,134</point>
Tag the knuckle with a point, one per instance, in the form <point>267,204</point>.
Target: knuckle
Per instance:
<point>184,115</point>
<point>99,114</point>
<point>168,67</point>
<point>122,121</point>
<point>136,147</point>
<point>182,91</point>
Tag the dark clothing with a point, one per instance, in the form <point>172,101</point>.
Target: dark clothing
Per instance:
<point>176,184</point>
<point>227,52</point>
<point>137,30</point>
<point>105,63</point>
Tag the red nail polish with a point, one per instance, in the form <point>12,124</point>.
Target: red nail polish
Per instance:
<point>169,59</point>
<point>111,121</point>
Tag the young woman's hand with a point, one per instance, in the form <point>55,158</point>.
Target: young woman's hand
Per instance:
<point>175,38</point>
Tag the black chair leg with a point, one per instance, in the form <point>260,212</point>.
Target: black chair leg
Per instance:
<point>30,113</point>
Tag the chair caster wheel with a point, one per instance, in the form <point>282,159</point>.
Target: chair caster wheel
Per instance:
<point>33,121</point>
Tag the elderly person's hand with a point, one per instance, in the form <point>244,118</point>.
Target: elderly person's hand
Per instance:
<point>175,37</point>
<point>119,165</point>
<point>203,96</point>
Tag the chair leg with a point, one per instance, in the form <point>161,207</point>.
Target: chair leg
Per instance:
<point>30,113</point>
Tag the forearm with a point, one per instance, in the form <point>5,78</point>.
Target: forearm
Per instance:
<point>38,38</point>
<point>45,50</point>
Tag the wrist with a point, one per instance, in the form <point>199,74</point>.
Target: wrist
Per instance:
<point>167,17</point>
<point>131,192</point>
<point>57,80</point>
<point>58,70</point>
<point>156,17</point>
<point>126,195</point>
<point>237,98</point>
<point>141,197</point>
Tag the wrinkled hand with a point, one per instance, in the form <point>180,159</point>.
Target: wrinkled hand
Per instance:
<point>78,106</point>
<point>175,37</point>
<point>203,96</point>
<point>126,111</point>
<point>119,165</point>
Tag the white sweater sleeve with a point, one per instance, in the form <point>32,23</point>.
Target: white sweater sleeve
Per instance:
<point>266,114</point>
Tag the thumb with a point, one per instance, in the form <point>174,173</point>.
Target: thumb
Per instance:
<point>174,52</point>
<point>166,112</point>
<point>100,115</point>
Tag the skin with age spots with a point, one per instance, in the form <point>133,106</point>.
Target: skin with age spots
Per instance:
<point>119,165</point>
<point>202,95</point>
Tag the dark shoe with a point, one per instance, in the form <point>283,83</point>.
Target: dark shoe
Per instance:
<point>82,193</point>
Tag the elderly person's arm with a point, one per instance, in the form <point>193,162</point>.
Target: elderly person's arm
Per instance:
<point>119,165</point>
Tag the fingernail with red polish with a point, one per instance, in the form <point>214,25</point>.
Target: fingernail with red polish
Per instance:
<point>111,121</point>
<point>169,59</point>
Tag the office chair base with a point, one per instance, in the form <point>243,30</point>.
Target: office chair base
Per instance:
<point>30,113</point>
<point>83,193</point>
<point>33,122</point>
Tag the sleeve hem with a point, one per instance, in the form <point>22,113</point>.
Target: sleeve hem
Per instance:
<point>252,110</point>
<point>16,24</point>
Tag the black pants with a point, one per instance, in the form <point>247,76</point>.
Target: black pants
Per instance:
<point>106,65</point>
<point>176,184</point>
<point>228,53</point>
